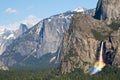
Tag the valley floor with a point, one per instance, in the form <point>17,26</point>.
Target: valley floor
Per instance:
<point>109,73</point>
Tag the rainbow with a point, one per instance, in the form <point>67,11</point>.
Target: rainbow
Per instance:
<point>99,65</point>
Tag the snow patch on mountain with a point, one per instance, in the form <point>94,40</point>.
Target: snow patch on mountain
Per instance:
<point>81,9</point>
<point>11,36</point>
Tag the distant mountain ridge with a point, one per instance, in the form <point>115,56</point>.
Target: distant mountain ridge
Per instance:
<point>43,38</point>
<point>7,36</point>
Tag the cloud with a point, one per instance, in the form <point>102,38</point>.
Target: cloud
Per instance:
<point>30,21</point>
<point>11,11</point>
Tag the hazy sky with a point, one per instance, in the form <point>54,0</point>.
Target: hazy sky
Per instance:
<point>12,11</point>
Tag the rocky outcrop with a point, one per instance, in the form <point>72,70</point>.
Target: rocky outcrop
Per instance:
<point>3,67</point>
<point>81,44</point>
<point>108,10</point>
<point>22,29</point>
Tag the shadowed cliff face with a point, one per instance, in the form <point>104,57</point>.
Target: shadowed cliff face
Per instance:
<point>81,44</point>
<point>108,10</point>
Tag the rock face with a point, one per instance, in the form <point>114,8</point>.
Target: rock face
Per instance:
<point>81,44</point>
<point>8,36</point>
<point>43,38</point>
<point>108,10</point>
<point>23,28</point>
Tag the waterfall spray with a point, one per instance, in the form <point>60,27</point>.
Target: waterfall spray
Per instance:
<point>99,65</point>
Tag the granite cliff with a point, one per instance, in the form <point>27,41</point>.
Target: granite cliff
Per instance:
<point>108,10</point>
<point>43,39</point>
<point>81,43</point>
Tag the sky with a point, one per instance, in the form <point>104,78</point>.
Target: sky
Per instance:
<point>16,11</point>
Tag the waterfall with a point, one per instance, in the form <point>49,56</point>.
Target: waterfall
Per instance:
<point>99,64</point>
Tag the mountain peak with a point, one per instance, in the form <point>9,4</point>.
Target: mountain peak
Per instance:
<point>80,9</point>
<point>23,28</point>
